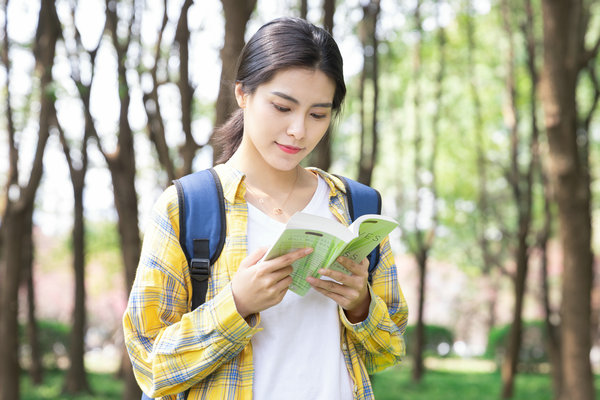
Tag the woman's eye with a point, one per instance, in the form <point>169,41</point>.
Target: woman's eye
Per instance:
<point>280,108</point>
<point>318,116</point>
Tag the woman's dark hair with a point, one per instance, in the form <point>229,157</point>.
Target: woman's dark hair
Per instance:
<point>279,44</point>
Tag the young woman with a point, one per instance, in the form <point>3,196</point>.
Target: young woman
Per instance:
<point>253,338</point>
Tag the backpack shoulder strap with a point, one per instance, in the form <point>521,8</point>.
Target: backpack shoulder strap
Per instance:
<point>363,199</point>
<point>201,226</point>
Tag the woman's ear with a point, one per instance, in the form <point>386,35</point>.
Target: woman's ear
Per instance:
<point>240,96</point>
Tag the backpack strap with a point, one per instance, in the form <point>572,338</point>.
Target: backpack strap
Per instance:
<point>201,226</point>
<point>363,199</point>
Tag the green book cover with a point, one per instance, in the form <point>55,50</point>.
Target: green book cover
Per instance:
<point>329,239</point>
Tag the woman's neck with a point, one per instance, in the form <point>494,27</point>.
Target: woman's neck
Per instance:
<point>263,177</point>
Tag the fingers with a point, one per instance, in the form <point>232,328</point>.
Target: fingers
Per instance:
<point>355,268</point>
<point>285,260</point>
<point>349,291</point>
<point>253,258</point>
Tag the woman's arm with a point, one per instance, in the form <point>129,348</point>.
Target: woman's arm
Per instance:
<point>170,348</point>
<point>379,338</point>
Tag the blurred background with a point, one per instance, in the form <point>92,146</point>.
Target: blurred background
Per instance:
<point>477,120</point>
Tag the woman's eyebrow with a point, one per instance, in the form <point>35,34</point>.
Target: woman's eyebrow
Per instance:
<point>293,100</point>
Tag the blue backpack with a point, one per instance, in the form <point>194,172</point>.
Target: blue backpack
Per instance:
<point>202,225</point>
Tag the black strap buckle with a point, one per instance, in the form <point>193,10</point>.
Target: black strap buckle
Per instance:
<point>200,269</point>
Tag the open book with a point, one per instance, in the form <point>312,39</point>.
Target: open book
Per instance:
<point>329,239</point>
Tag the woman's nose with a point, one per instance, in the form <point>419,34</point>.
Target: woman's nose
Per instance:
<point>297,127</point>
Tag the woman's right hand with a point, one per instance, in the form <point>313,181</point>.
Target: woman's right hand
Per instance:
<point>257,287</point>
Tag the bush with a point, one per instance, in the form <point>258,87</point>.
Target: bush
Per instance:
<point>53,340</point>
<point>438,340</point>
<point>533,344</point>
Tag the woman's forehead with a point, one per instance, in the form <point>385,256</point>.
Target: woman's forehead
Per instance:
<point>301,84</point>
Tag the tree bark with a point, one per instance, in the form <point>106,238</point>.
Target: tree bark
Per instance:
<point>328,14</point>
<point>543,236</point>
<point>155,123</point>
<point>369,76</point>
<point>521,184</point>
<point>35,368</point>
<point>417,245</point>
<point>22,198</point>
<point>564,26</point>
<point>121,165</point>
<point>303,9</point>
<point>186,90</point>
<point>488,264</point>
<point>553,330</point>
<point>237,13</point>
<point>76,378</point>
<point>320,157</point>
<point>418,366</point>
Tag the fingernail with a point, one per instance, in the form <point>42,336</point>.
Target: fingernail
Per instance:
<point>308,250</point>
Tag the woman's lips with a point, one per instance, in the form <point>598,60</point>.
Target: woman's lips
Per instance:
<point>289,149</point>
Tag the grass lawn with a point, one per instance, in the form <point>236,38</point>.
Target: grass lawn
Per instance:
<point>392,384</point>
<point>103,386</point>
<point>395,384</point>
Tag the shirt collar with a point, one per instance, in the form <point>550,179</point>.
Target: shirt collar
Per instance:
<point>335,183</point>
<point>234,190</point>
<point>231,180</point>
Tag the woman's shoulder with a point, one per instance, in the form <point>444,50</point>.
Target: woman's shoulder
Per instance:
<point>167,203</point>
<point>331,179</point>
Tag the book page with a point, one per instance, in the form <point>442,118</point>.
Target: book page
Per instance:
<point>372,229</point>
<point>326,247</point>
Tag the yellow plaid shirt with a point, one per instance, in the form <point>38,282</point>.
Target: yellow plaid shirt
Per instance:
<point>208,349</point>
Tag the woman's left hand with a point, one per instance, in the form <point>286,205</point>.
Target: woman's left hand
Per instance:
<point>349,291</point>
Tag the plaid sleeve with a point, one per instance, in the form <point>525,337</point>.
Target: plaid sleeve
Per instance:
<point>170,348</point>
<point>379,339</point>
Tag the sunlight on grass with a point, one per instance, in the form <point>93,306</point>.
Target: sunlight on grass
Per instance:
<point>464,382</point>
<point>104,387</point>
<point>455,384</point>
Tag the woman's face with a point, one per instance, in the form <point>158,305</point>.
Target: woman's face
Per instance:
<point>285,118</point>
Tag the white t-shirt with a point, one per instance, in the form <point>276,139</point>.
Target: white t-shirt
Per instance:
<point>297,355</point>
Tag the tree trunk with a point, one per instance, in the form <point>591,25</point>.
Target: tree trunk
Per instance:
<point>17,205</point>
<point>328,14</point>
<point>521,187</point>
<point>237,13</point>
<point>543,236</point>
<point>11,261</point>
<point>487,260</point>
<point>76,378</point>
<point>303,8</point>
<point>511,358</point>
<point>419,247</point>
<point>35,369</point>
<point>186,91</point>
<point>564,28</point>
<point>320,157</point>
<point>369,77</point>
<point>121,165</point>
<point>553,342</point>
<point>418,365</point>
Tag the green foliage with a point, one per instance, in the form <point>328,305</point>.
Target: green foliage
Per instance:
<point>392,384</point>
<point>533,344</point>
<point>435,335</point>
<point>103,386</point>
<point>53,340</point>
<point>103,244</point>
<point>396,384</point>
